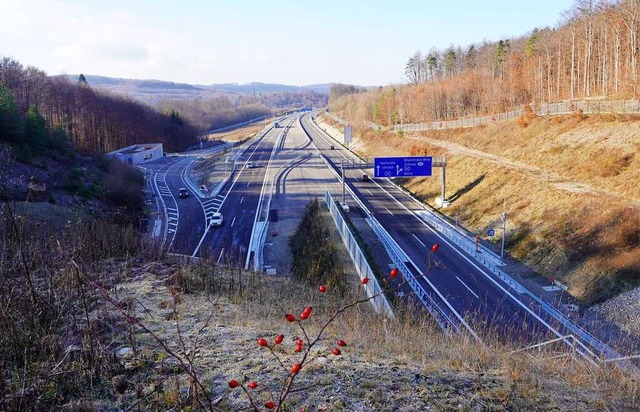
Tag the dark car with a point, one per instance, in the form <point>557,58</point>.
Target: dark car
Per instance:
<point>364,178</point>
<point>183,192</point>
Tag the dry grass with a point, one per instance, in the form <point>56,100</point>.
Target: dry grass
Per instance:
<point>407,363</point>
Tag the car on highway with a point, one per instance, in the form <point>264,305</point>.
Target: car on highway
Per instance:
<point>216,219</point>
<point>250,165</point>
<point>364,177</point>
<point>183,192</point>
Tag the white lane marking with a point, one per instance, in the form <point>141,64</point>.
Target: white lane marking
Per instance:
<point>242,199</point>
<point>468,288</point>
<point>370,192</point>
<point>248,183</point>
<point>389,211</point>
<point>220,257</point>
<point>233,221</point>
<point>419,241</point>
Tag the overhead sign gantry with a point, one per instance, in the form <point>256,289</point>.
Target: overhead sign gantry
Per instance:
<point>402,166</point>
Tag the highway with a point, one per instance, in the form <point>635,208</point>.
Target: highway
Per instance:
<point>473,299</point>
<point>186,223</point>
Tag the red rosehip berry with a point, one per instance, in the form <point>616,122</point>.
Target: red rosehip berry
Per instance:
<point>393,273</point>
<point>364,281</point>
<point>435,247</point>
<point>253,385</point>
<point>270,405</point>
<point>263,342</point>
<point>322,288</point>
<point>279,339</point>
<point>342,343</point>
<point>290,317</point>
<point>336,351</point>
<point>299,342</point>
<point>295,368</point>
<point>304,315</point>
<point>298,348</point>
<point>233,383</point>
<point>307,310</point>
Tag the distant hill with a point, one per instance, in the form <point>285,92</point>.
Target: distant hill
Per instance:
<point>256,87</point>
<point>152,91</point>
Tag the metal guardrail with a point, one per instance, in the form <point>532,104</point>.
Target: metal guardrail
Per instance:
<point>439,314</point>
<point>263,210</point>
<point>372,288</point>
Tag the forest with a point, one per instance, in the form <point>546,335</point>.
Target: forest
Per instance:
<point>38,112</point>
<point>591,54</point>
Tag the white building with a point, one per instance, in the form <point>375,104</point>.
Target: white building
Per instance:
<point>138,153</point>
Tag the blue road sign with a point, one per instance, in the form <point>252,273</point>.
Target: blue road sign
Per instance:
<point>402,166</point>
<point>491,232</point>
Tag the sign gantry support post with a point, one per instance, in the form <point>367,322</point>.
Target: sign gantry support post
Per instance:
<point>343,188</point>
<point>442,163</point>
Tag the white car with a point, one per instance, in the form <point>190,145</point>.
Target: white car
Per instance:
<point>216,219</point>
<point>249,165</point>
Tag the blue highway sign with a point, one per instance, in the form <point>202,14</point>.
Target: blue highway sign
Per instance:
<point>491,232</point>
<point>402,166</point>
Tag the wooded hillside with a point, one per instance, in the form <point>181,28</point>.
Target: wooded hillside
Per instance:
<point>593,52</point>
<point>93,122</point>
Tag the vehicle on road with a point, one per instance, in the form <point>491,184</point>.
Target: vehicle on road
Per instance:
<point>183,192</point>
<point>364,177</point>
<point>216,219</point>
<point>250,165</point>
<point>332,148</point>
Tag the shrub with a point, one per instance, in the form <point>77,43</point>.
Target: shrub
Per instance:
<point>315,257</point>
<point>123,185</point>
<point>523,122</point>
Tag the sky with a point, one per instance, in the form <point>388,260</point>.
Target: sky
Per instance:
<point>292,42</point>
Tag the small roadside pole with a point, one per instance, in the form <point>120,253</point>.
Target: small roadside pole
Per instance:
<point>504,230</point>
<point>491,233</point>
<point>477,244</point>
